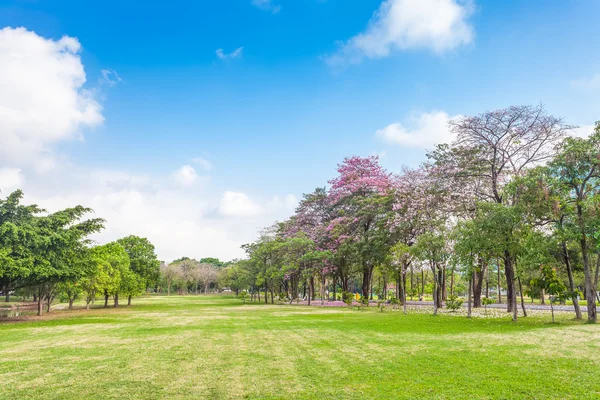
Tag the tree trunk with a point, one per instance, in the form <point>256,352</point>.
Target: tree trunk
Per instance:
<point>168,288</point>
<point>266,292</point>
<point>435,298</point>
<point>40,306</point>
<point>48,302</point>
<point>129,300</point>
<point>511,298</point>
<point>499,286</point>
<point>422,285</point>
<point>452,282</point>
<point>367,272</point>
<point>403,289</point>
<point>6,293</point>
<point>412,280</point>
<point>543,298</point>
<point>444,291</point>
<point>116,304</point>
<point>487,282</point>
<point>105,299</point>
<point>522,301</point>
<point>471,280</point>
<point>589,287</point>
<point>440,288</point>
<point>478,276</point>
<point>272,294</point>
<point>71,303</point>
<point>87,304</point>
<point>574,296</point>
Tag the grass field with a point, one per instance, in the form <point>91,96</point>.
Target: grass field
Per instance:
<point>215,347</point>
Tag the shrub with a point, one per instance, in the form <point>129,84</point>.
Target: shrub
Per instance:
<point>486,301</point>
<point>454,303</point>
<point>243,295</point>
<point>348,298</point>
<point>364,301</point>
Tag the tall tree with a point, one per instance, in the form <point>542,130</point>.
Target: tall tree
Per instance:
<point>496,146</point>
<point>18,236</point>
<point>143,261</point>
<point>361,196</point>
<point>61,237</point>
<point>577,168</point>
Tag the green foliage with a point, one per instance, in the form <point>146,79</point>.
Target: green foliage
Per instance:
<point>454,303</point>
<point>364,301</point>
<point>486,301</point>
<point>348,298</point>
<point>243,295</point>
<point>143,261</point>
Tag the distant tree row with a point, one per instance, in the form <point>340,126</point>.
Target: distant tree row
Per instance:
<point>514,196</point>
<point>44,255</point>
<point>186,275</point>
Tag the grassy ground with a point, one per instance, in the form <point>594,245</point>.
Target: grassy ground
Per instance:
<point>215,347</point>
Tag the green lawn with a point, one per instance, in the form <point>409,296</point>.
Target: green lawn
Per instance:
<point>215,347</point>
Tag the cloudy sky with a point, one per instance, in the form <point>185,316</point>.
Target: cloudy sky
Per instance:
<point>197,123</point>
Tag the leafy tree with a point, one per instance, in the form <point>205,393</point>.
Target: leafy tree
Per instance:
<point>112,267</point>
<point>143,262</point>
<point>577,168</point>
<point>18,236</point>
<point>549,282</point>
<point>169,272</point>
<point>61,239</point>
<point>491,149</point>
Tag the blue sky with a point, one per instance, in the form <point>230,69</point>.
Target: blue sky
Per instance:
<point>312,81</point>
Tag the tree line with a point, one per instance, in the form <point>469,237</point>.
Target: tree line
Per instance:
<point>514,197</point>
<point>44,255</point>
<point>186,275</point>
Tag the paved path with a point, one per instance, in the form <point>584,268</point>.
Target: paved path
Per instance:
<point>528,306</point>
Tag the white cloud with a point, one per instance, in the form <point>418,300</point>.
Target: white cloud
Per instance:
<point>42,100</point>
<point>438,25</point>
<point>287,203</point>
<point>588,83</point>
<point>110,77</point>
<point>178,222</point>
<point>428,129</point>
<point>267,5</point>
<point>10,180</point>
<point>237,53</point>
<point>204,163</point>
<point>583,131</point>
<point>42,103</point>
<point>185,176</point>
<point>237,204</point>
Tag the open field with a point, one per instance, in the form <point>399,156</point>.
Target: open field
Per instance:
<point>216,347</point>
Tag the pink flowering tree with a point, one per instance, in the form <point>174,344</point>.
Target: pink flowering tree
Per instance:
<point>361,199</point>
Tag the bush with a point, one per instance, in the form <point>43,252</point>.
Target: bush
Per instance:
<point>243,295</point>
<point>364,301</point>
<point>348,298</point>
<point>454,303</point>
<point>486,301</point>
